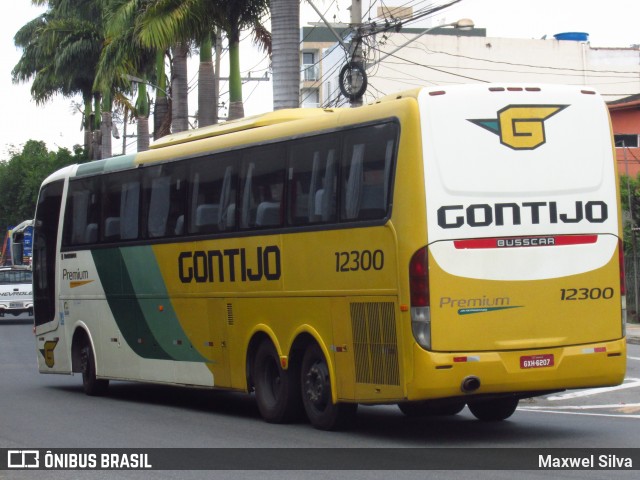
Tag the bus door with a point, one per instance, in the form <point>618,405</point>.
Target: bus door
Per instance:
<point>45,287</point>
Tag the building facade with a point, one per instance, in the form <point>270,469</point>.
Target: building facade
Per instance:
<point>625,121</point>
<point>450,56</point>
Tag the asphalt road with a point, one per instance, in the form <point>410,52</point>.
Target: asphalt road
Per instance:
<point>50,411</point>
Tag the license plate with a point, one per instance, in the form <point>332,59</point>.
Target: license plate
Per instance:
<point>15,305</point>
<point>536,361</point>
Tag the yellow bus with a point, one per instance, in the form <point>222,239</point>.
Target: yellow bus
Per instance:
<point>441,248</point>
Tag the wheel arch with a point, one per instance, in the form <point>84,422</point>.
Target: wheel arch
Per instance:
<point>302,338</point>
<point>259,334</point>
<point>81,337</point>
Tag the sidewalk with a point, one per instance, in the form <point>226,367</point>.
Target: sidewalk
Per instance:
<point>633,333</point>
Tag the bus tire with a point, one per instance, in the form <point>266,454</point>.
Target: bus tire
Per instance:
<point>431,408</point>
<point>91,385</point>
<point>493,410</point>
<point>277,390</point>
<point>316,394</point>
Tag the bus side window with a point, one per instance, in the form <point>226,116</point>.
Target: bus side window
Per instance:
<point>367,168</point>
<point>312,181</point>
<point>212,193</point>
<point>121,204</point>
<point>158,206</point>
<point>82,216</point>
<point>263,188</point>
<point>129,209</point>
<point>164,193</point>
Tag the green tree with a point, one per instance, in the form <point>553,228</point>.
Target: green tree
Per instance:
<point>630,201</point>
<point>61,48</point>
<point>22,175</point>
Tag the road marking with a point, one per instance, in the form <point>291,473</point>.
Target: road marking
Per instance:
<point>584,407</point>
<point>633,358</point>
<point>533,410</point>
<point>629,383</point>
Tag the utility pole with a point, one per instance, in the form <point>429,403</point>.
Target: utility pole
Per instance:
<point>356,52</point>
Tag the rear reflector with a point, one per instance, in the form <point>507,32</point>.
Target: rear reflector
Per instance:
<point>466,359</point>
<point>594,350</point>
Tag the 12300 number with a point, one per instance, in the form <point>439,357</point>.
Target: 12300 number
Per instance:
<point>355,260</point>
<point>586,293</point>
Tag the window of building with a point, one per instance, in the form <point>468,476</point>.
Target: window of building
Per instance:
<point>309,67</point>
<point>626,140</point>
<point>309,98</point>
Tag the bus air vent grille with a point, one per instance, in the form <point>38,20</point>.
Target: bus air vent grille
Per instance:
<point>229,314</point>
<point>375,343</point>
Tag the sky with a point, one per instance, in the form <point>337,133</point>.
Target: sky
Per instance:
<point>612,24</point>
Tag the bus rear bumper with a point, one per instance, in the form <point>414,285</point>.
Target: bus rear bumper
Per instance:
<point>441,375</point>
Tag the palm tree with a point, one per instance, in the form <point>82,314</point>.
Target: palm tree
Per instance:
<point>207,85</point>
<point>285,61</point>
<point>162,108</point>
<point>61,48</point>
<point>237,16</point>
<point>170,24</point>
<point>124,56</point>
<point>173,22</point>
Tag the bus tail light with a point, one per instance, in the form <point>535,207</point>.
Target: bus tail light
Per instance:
<point>420,298</point>
<point>623,287</point>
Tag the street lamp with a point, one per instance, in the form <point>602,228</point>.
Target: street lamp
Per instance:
<point>131,78</point>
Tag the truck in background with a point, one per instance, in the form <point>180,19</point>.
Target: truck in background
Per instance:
<point>17,245</point>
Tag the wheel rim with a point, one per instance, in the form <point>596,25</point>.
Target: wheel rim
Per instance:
<point>316,386</point>
<point>84,365</point>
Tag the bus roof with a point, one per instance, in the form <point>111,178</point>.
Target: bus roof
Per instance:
<point>247,123</point>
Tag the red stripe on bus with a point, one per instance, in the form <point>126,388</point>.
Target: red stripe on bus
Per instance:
<point>523,242</point>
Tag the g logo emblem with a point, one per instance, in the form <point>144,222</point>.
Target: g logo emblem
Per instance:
<point>47,352</point>
<point>520,127</point>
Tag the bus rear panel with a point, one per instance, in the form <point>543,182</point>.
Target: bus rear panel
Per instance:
<point>524,290</point>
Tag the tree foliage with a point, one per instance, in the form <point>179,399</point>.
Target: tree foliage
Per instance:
<point>22,175</point>
<point>630,201</point>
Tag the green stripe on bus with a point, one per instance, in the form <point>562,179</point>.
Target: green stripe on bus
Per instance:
<point>106,165</point>
<point>124,304</point>
<point>153,299</point>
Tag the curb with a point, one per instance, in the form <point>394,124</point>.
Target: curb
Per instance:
<point>633,333</point>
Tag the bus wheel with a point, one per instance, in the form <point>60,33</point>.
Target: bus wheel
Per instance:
<point>90,384</point>
<point>316,394</point>
<point>429,408</point>
<point>493,410</point>
<point>277,390</point>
